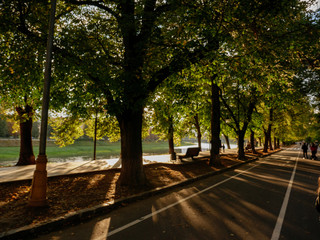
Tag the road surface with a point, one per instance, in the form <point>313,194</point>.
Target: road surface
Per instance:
<point>272,198</point>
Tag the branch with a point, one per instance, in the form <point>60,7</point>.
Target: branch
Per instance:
<point>181,61</point>
<point>25,30</point>
<point>96,4</point>
<point>110,59</point>
<point>150,14</point>
<point>248,115</point>
<point>106,91</point>
<point>230,111</point>
<point>228,124</point>
<point>148,19</point>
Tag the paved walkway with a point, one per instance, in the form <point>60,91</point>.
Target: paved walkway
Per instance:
<point>17,173</point>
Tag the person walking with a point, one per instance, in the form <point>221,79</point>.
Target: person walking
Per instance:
<point>313,149</point>
<point>305,150</point>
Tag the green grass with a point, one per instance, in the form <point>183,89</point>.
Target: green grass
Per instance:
<point>9,150</point>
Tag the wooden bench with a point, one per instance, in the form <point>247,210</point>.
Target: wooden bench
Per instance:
<point>191,152</point>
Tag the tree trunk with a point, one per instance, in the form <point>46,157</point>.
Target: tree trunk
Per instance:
<point>132,171</point>
<point>260,141</point>
<point>266,140</point>
<point>197,125</point>
<point>275,142</point>
<point>26,156</point>
<point>227,141</point>
<point>171,142</point>
<point>95,136</point>
<point>215,125</point>
<point>270,141</point>
<point>253,142</point>
<point>270,128</point>
<point>241,154</point>
<point>242,132</point>
<point>270,144</point>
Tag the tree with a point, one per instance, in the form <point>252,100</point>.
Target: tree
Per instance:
<point>20,86</point>
<point>164,118</point>
<point>268,45</point>
<point>241,117</point>
<point>201,97</point>
<point>191,97</point>
<point>101,126</point>
<point>215,122</point>
<point>136,38</point>
<point>128,48</point>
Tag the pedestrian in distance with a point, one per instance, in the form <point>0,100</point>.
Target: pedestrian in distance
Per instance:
<point>223,147</point>
<point>313,149</point>
<point>305,150</point>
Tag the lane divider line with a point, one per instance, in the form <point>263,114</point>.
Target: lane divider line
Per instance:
<point>278,227</point>
<point>176,203</point>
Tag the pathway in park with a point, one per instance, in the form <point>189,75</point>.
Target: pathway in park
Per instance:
<point>272,198</point>
<point>9,174</point>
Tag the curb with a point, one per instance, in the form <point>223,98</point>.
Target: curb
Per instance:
<point>29,232</point>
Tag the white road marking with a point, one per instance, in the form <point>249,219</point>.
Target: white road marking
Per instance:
<point>277,229</point>
<point>176,203</point>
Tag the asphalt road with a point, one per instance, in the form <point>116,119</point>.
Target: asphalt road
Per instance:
<point>272,198</point>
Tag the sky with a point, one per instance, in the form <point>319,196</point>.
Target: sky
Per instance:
<point>316,5</point>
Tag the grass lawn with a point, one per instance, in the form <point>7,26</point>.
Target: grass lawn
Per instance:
<point>83,149</point>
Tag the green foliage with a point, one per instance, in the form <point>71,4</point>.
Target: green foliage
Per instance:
<point>21,58</point>
<point>107,60</point>
<point>66,130</point>
<point>106,126</point>
<point>164,113</point>
<point>4,130</point>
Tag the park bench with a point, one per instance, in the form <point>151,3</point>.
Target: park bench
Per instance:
<point>191,152</point>
<point>248,147</point>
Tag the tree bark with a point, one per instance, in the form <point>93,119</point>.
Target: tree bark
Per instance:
<point>95,136</point>
<point>268,133</point>
<point>215,124</point>
<point>171,142</point>
<point>252,140</point>
<point>270,144</point>
<point>132,171</point>
<point>266,140</point>
<point>270,141</point>
<point>241,135</point>
<point>26,156</point>
<point>197,125</point>
<point>242,132</point>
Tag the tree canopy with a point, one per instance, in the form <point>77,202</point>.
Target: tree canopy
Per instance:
<point>113,58</point>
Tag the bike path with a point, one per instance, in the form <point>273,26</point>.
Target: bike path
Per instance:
<point>242,204</point>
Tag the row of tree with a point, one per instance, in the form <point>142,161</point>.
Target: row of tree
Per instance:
<point>222,66</point>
